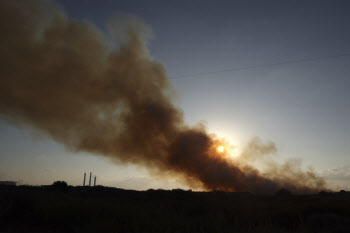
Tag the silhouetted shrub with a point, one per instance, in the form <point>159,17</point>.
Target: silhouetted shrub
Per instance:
<point>283,193</point>
<point>324,193</point>
<point>178,190</point>
<point>60,184</point>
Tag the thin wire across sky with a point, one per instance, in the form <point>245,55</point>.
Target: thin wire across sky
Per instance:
<point>199,75</point>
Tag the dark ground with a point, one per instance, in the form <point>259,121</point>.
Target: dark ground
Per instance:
<point>101,209</point>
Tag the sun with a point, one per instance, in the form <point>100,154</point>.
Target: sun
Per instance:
<point>220,149</point>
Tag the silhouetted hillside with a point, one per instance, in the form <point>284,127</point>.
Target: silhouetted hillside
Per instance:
<point>103,209</point>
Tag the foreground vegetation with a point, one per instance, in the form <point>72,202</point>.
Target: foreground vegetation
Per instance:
<point>63,208</point>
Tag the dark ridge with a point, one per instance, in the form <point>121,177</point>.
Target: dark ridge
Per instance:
<point>105,209</point>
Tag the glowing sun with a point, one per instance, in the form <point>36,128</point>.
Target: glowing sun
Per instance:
<point>220,148</point>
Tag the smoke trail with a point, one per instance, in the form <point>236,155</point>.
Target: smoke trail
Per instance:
<point>61,77</point>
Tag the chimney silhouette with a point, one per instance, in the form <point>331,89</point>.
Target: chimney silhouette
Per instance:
<point>84,178</point>
<point>90,179</point>
<point>95,181</point>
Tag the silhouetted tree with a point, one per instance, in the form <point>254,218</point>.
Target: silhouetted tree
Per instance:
<point>342,192</point>
<point>60,184</point>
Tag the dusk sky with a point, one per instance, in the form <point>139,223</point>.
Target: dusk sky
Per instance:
<point>303,107</point>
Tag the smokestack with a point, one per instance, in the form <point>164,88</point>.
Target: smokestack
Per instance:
<point>90,179</point>
<point>95,181</point>
<point>84,178</point>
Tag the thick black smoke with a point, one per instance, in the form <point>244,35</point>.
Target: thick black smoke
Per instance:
<point>61,77</point>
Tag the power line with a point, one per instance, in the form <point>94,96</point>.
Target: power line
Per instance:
<point>259,66</point>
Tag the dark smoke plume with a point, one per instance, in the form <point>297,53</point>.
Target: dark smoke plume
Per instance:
<point>62,77</point>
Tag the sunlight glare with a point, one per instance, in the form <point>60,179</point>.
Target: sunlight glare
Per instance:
<point>221,149</point>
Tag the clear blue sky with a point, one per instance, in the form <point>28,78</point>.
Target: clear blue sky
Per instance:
<point>303,107</point>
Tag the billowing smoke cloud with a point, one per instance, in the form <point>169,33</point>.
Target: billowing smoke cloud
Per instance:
<point>63,78</point>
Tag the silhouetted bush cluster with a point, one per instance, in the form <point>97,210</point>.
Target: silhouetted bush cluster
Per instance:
<point>60,184</point>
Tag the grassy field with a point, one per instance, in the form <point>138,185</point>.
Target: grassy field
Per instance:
<point>101,209</point>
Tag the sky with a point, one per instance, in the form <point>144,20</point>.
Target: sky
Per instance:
<point>302,107</point>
